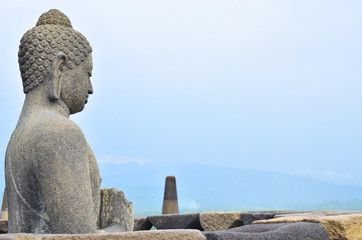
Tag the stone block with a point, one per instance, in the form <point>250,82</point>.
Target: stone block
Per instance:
<point>116,213</point>
<point>317,213</point>
<point>281,231</point>
<point>251,216</point>
<point>3,226</point>
<point>141,223</point>
<point>176,221</point>
<point>220,220</point>
<point>341,227</point>
<point>140,235</point>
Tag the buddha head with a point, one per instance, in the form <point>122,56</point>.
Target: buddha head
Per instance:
<point>53,53</point>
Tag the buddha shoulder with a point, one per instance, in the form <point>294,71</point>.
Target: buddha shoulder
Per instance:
<point>49,125</point>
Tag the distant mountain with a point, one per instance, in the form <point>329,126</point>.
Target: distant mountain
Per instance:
<point>209,187</point>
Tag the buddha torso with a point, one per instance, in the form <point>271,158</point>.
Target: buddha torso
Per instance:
<point>37,158</point>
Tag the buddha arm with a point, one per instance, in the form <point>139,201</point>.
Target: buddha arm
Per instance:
<point>64,179</point>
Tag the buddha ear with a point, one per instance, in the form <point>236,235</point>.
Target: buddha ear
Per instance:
<point>55,76</point>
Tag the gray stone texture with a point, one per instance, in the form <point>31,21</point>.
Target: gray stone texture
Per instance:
<point>52,177</point>
<point>141,235</point>
<point>116,213</point>
<point>141,223</point>
<point>176,221</point>
<point>280,231</point>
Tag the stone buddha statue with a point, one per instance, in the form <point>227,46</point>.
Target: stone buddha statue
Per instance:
<point>52,177</point>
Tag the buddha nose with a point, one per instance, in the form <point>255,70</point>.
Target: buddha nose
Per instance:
<point>90,89</point>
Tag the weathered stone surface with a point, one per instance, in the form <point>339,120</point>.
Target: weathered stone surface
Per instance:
<point>52,177</point>
<point>3,226</point>
<point>317,213</point>
<point>140,235</point>
<point>220,220</point>
<point>141,223</point>
<point>341,227</point>
<point>251,216</point>
<point>116,211</point>
<point>170,203</point>
<point>176,221</point>
<point>281,231</point>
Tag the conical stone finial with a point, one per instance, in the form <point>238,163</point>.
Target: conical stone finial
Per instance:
<point>4,207</point>
<point>170,203</point>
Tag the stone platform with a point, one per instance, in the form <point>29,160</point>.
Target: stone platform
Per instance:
<point>141,235</point>
<point>251,225</point>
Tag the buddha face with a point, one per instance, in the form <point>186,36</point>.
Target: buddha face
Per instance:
<point>76,85</point>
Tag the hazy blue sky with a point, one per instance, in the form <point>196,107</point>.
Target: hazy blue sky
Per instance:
<point>268,85</point>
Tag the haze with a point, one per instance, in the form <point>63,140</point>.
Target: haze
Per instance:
<point>265,85</point>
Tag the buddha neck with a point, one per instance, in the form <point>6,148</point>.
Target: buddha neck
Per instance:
<point>37,101</point>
